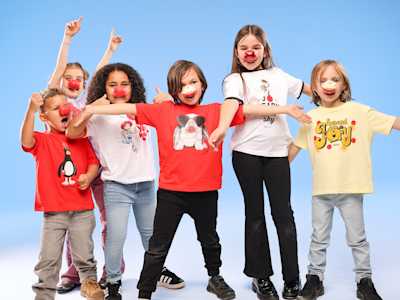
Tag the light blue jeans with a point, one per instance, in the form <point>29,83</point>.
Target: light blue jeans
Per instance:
<point>350,207</point>
<point>118,200</point>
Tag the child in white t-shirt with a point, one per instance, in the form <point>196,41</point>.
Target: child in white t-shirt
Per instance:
<point>125,152</point>
<point>339,140</point>
<point>260,150</point>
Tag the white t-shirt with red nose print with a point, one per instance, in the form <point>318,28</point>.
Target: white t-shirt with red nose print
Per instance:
<point>268,136</point>
<point>123,147</point>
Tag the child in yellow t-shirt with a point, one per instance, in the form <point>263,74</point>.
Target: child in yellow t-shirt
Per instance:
<point>338,140</point>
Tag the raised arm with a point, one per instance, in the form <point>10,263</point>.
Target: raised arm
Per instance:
<point>293,151</point>
<point>113,44</point>
<point>71,28</point>
<point>28,124</point>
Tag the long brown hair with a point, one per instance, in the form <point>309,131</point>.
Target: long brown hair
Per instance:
<point>315,76</point>
<point>260,35</point>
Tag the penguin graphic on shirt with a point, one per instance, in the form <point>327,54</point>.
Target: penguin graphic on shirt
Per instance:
<point>67,168</point>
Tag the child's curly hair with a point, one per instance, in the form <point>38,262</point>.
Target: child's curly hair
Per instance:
<point>97,87</point>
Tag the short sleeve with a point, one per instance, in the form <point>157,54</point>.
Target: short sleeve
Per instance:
<point>295,85</point>
<point>379,122</point>
<point>149,114</point>
<point>301,138</point>
<point>233,88</point>
<point>38,136</point>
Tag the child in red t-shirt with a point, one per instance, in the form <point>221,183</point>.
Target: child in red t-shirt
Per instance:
<point>64,170</point>
<point>190,170</point>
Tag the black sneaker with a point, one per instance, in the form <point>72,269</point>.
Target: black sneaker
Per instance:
<point>366,290</point>
<point>312,289</point>
<point>264,289</point>
<point>291,289</point>
<point>170,280</point>
<point>112,291</point>
<point>219,287</point>
<point>103,282</point>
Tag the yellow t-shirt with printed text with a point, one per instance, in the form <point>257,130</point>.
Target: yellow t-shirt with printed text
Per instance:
<point>339,143</point>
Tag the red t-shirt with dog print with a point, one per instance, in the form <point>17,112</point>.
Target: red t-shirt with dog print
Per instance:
<point>187,162</point>
<point>59,163</point>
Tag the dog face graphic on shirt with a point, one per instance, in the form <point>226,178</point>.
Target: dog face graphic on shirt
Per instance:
<point>190,132</point>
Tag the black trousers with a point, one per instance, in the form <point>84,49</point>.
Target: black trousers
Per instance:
<point>252,172</point>
<point>171,205</point>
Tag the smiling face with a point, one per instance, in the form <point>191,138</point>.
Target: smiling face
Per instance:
<point>329,86</point>
<point>192,88</point>
<point>250,52</point>
<point>72,83</point>
<point>118,87</point>
<point>51,113</point>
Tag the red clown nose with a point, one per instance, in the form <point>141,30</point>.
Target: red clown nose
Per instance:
<point>66,109</point>
<point>119,92</point>
<point>250,56</point>
<point>74,85</point>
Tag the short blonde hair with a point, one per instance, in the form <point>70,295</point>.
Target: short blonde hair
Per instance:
<point>315,76</point>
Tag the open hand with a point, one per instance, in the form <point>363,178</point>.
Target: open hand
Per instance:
<point>297,112</point>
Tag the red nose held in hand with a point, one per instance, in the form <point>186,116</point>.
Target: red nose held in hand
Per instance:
<point>66,109</point>
<point>74,85</point>
<point>119,92</point>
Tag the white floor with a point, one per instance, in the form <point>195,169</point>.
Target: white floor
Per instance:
<point>19,257</point>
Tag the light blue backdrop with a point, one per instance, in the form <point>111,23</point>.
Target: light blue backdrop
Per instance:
<point>363,35</point>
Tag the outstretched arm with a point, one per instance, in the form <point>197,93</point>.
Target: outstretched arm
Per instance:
<point>307,90</point>
<point>396,124</point>
<point>293,110</point>
<point>293,151</point>
<point>77,127</point>
<point>71,28</point>
<point>113,43</point>
<point>28,124</point>
<point>228,111</point>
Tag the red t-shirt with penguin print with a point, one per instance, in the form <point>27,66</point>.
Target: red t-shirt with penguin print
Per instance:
<point>59,163</point>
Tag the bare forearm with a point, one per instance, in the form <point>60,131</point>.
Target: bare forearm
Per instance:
<point>28,125</point>
<point>75,131</point>
<point>61,64</point>
<point>92,172</point>
<point>105,59</point>
<point>228,111</point>
<point>113,109</point>
<point>307,90</point>
<point>396,124</point>
<point>260,110</point>
<point>293,151</point>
